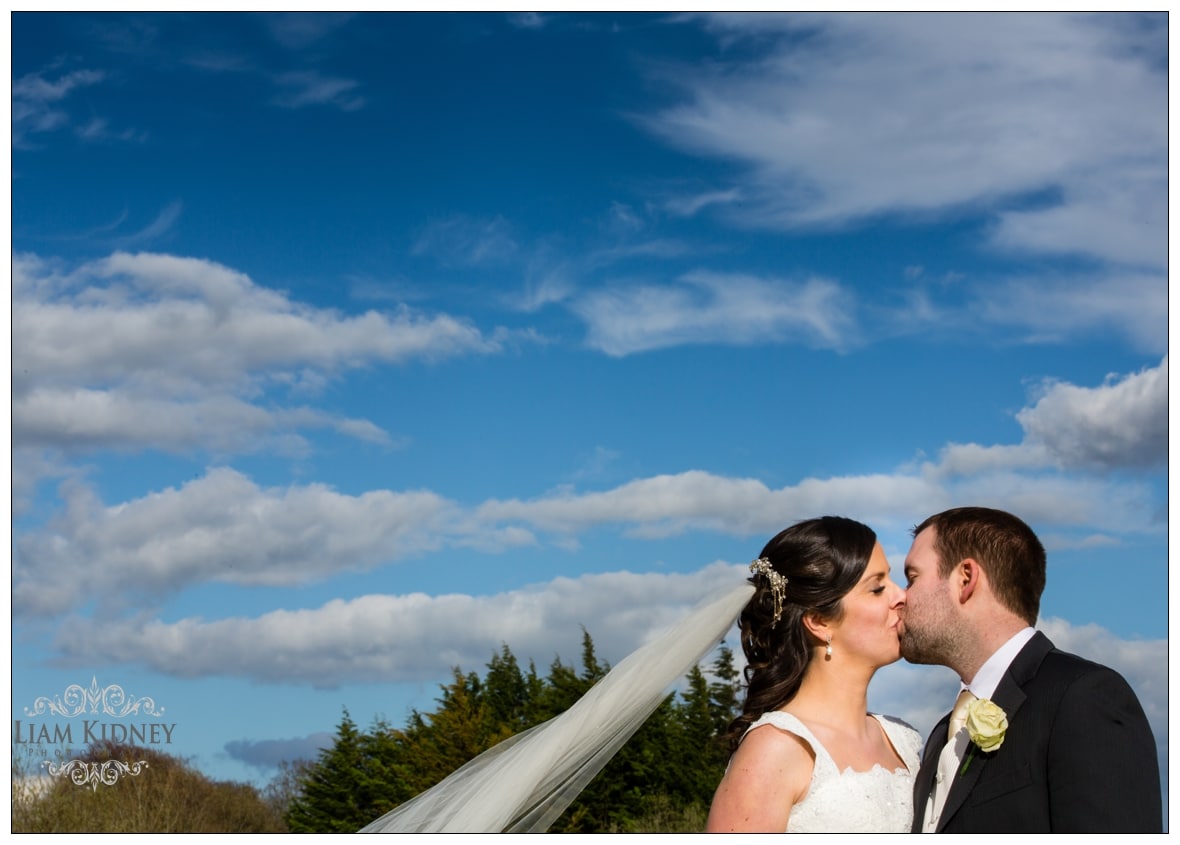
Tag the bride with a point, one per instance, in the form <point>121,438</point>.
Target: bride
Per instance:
<point>818,617</point>
<point>807,755</point>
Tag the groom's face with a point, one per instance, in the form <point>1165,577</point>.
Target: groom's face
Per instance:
<point>929,624</point>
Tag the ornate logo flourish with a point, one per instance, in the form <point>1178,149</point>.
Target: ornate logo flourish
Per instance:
<point>106,773</point>
<point>76,701</point>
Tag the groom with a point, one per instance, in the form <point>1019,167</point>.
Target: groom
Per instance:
<point>1076,753</point>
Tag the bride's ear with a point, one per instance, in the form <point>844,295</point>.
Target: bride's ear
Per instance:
<point>817,626</point>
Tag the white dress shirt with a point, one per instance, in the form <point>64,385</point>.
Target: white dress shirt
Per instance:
<point>983,685</point>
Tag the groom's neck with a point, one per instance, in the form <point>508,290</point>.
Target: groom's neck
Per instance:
<point>987,633</point>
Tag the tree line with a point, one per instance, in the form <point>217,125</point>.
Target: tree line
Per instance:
<point>662,780</point>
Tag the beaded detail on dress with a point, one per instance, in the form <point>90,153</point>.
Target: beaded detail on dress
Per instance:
<point>876,801</point>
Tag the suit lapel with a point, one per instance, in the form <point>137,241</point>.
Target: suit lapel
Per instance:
<point>1009,696</point>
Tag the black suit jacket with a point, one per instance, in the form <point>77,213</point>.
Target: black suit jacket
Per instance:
<point>1078,755</point>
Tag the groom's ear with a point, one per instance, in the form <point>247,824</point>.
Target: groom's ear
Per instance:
<point>966,578</point>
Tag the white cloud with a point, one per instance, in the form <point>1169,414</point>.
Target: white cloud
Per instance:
<point>1055,499</point>
<point>718,308</point>
<point>385,638</point>
<point>846,116</point>
<point>158,351</point>
<point>85,420</point>
<point>1122,424</point>
<point>221,528</point>
<point>671,504</point>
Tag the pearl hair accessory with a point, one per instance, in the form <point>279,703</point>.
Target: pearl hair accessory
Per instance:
<point>778,584</point>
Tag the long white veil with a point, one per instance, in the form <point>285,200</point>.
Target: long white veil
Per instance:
<point>523,784</point>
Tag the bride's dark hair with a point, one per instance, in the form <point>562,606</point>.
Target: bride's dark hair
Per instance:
<point>822,560</point>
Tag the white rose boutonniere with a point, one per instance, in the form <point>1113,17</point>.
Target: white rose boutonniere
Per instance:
<point>987,723</point>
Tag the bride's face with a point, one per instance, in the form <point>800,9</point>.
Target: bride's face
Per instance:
<point>871,615</point>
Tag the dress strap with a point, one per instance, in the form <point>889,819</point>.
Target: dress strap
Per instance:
<point>791,724</point>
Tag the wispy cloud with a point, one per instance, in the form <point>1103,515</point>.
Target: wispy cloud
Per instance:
<point>297,30</point>
<point>466,241</point>
<point>35,100</point>
<point>844,116</point>
<point>528,20</point>
<point>690,205</point>
<point>162,225</point>
<point>1132,306</point>
<point>300,89</point>
<point>706,307</point>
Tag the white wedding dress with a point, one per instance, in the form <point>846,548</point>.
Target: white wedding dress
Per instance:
<point>876,801</point>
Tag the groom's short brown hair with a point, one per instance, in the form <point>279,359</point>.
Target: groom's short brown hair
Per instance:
<point>1002,544</point>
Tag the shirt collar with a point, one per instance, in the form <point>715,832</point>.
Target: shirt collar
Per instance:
<point>984,684</point>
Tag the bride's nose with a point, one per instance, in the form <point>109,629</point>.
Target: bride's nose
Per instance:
<point>898,596</point>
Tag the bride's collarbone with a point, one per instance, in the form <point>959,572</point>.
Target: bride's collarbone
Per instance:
<point>860,748</point>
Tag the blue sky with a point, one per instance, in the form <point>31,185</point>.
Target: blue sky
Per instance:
<point>346,349</point>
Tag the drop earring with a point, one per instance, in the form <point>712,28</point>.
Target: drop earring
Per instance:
<point>829,656</point>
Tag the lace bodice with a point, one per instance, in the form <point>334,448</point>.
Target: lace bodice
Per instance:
<point>876,801</point>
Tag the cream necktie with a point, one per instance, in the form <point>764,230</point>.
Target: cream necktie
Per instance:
<point>948,760</point>
<point>959,714</point>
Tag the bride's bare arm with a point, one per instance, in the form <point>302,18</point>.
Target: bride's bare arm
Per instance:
<point>768,774</point>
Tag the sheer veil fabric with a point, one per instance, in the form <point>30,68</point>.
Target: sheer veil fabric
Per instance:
<point>523,784</point>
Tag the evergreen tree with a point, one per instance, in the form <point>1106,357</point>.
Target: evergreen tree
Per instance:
<point>506,693</point>
<point>725,692</point>
<point>698,762</point>
<point>591,670</point>
<point>350,784</point>
<point>459,730</point>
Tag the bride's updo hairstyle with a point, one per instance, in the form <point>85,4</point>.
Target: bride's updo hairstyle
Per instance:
<point>822,560</point>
